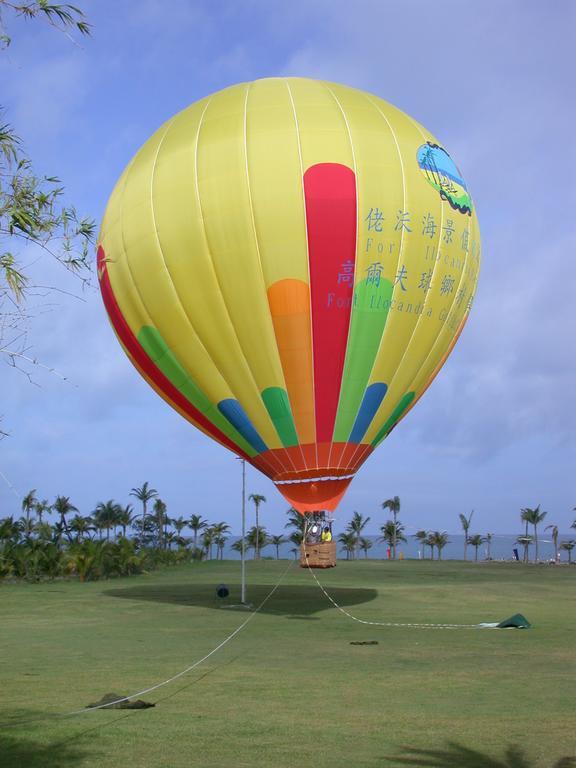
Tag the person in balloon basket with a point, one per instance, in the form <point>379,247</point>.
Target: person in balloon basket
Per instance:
<point>326,535</point>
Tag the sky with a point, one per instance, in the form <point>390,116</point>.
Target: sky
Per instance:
<point>494,81</point>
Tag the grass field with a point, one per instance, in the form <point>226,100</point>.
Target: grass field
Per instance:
<point>290,689</point>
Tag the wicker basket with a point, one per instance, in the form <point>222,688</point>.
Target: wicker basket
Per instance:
<point>321,555</point>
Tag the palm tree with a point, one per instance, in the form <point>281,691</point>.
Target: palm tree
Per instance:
<point>9,530</point>
<point>394,506</point>
<point>85,561</point>
<point>439,539</point>
<point>63,507</point>
<point>44,532</point>
<point>179,524</point>
<point>257,499</point>
<point>277,542</point>
<point>533,517</point>
<point>422,539</point>
<point>489,549</point>
<point>298,522</point>
<point>219,539</point>
<point>105,516</point>
<point>525,541</point>
<point>81,526</point>
<point>568,546</point>
<point>429,542</point>
<point>28,503</point>
<point>365,544</point>
<point>41,508</point>
<point>257,539</point>
<point>197,523</point>
<point>348,541</point>
<point>476,541</point>
<point>356,526</point>
<point>465,523</point>
<point>220,542</point>
<point>144,494</point>
<point>161,521</point>
<point>295,520</point>
<point>124,518</point>
<point>296,538</point>
<point>392,533</point>
<point>554,529</point>
<point>208,541</point>
<point>144,535</point>
<point>237,546</point>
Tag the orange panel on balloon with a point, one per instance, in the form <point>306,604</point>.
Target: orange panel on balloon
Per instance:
<point>289,302</point>
<point>315,494</point>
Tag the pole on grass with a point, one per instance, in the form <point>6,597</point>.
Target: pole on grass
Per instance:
<point>243,551</point>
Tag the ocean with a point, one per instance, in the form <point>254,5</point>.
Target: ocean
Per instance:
<point>501,548</point>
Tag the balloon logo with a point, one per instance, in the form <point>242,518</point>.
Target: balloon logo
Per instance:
<point>289,263</point>
<point>440,171</point>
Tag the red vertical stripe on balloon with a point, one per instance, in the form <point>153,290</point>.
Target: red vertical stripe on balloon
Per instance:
<point>330,194</point>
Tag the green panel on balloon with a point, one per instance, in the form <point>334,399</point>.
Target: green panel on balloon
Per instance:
<point>278,407</point>
<point>369,314</point>
<point>157,350</point>
<point>395,416</point>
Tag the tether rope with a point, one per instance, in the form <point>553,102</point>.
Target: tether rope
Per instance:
<point>9,484</point>
<point>414,625</point>
<point>155,687</point>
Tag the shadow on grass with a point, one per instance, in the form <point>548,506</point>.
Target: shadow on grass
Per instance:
<point>455,755</point>
<point>19,753</point>
<point>294,601</point>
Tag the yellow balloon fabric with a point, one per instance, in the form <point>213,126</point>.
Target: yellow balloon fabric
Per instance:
<point>289,263</point>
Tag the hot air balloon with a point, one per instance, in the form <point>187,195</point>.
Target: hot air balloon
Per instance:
<point>289,263</point>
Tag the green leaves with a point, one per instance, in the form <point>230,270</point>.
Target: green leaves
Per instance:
<point>15,280</point>
<point>465,521</point>
<point>30,211</point>
<point>61,16</point>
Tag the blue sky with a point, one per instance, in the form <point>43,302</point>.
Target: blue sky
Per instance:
<point>493,80</point>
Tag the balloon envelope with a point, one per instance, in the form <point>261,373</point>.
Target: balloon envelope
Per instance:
<point>289,263</point>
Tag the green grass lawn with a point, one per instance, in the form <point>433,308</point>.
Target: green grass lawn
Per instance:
<point>290,689</point>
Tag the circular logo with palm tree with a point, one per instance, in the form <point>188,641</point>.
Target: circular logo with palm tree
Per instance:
<point>441,172</point>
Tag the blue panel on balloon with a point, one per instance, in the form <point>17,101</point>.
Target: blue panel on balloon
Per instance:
<point>370,403</point>
<point>237,416</point>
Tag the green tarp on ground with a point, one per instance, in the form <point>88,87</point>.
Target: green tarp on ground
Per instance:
<point>518,621</point>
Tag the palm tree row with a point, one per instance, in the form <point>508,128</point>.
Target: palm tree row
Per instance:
<point>43,557</point>
<point>89,546</point>
<point>50,545</point>
<point>534,516</point>
<point>151,527</point>
<point>434,540</point>
<point>154,532</point>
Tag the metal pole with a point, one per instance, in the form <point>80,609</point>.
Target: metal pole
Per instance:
<point>243,581</point>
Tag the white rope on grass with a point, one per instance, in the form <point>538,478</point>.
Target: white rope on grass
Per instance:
<point>388,623</point>
<point>155,687</point>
